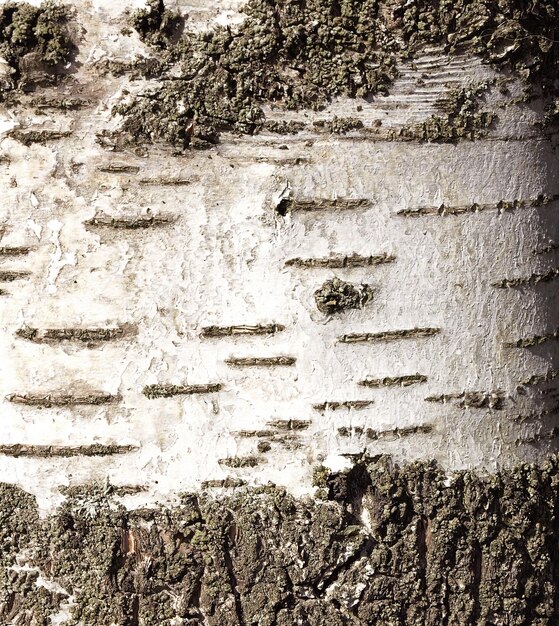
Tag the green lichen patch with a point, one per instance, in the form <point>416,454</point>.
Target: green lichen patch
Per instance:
<point>296,55</point>
<point>290,53</point>
<point>34,38</point>
<point>462,119</point>
<point>339,125</point>
<point>156,25</point>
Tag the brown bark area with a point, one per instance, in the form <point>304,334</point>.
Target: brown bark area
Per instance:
<point>384,545</point>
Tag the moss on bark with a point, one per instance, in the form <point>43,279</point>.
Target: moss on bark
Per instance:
<point>34,40</point>
<point>302,54</point>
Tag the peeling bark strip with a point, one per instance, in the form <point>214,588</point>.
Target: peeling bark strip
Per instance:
<point>43,451</point>
<point>119,168</point>
<point>396,381</point>
<point>14,251</point>
<point>472,399</point>
<point>241,461</point>
<point>9,276</point>
<point>370,433</point>
<point>501,207</point>
<point>60,400</point>
<point>130,223</point>
<point>228,331</point>
<point>389,335</point>
<point>288,205</point>
<point>340,262</point>
<point>534,279</point>
<point>29,137</point>
<point>289,424</point>
<point>537,340</point>
<point>261,361</point>
<point>344,404</point>
<point>167,391</point>
<point>85,335</point>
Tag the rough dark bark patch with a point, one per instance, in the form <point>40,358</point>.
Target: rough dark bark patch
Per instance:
<point>382,544</point>
<point>352,48</point>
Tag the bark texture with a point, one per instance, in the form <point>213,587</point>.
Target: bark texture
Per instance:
<point>380,544</point>
<point>247,252</point>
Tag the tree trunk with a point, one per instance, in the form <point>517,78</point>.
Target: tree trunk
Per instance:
<point>326,313</point>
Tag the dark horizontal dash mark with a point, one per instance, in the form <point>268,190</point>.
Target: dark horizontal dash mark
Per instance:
<point>339,261</point>
<point>241,461</point>
<point>500,206</point>
<point>14,251</point>
<point>119,168</point>
<point>344,404</point>
<point>166,182</point>
<point>130,223</point>
<point>534,279</point>
<point>287,440</point>
<point>228,331</point>
<point>393,381</point>
<point>472,399</point>
<point>287,205</point>
<point>168,391</point>
<point>29,137</point>
<point>85,335</point>
<point>539,379</point>
<point>374,435</point>
<point>537,340</point>
<point>67,104</point>
<point>300,160</point>
<point>43,451</point>
<point>289,424</point>
<point>261,361</point>
<point>61,400</point>
<point>226,483</point>
<point>9,276</point>
<point>390,335</point>
<point>423,429</point>
<point>110,490</point>
<point>249,434</point>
